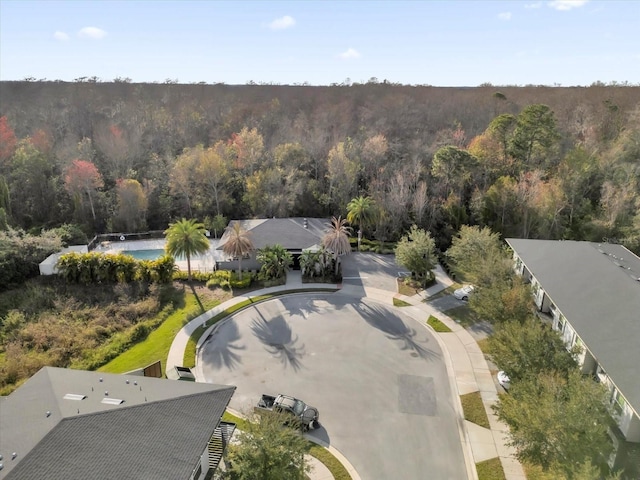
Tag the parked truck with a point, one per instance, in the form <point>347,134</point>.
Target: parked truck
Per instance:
<point>302,414</point>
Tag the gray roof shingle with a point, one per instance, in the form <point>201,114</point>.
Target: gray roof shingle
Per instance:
<point>159,431</point>
<point>595,286</point>
<point>291,233</point>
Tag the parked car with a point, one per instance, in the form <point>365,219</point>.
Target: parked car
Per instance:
<point>464,293</point>
<point>304,415</point>
<point>503,380</point>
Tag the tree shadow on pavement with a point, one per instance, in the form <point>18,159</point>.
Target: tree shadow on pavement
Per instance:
<point>396,329</point>
<point>277,338</point>
<point>296,307</point>
<point>223,353</point>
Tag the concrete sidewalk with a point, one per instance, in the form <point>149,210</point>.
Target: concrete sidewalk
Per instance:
<point>467,368</point>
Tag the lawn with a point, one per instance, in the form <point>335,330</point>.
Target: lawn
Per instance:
<point>400,303</point>
<point>474,409</point>
<point>437,325</point>
<point>490,470</point>
<point>156,345</point>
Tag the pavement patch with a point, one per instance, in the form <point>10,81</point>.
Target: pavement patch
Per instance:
<point>417,395</point>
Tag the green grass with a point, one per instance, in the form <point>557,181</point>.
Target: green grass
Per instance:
<point>484,345</point>
<point>474,409</point>
<point>490,470</point>
<point>400,303</point>
<point>464,315</point>
<point>336,468</point>
<point>156,346</point>
<point>332,463</point>
<point>437,325</point>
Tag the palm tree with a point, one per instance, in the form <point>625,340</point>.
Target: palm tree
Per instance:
<point>361,211</point>
<point>186,238</point>
<point>238,244</point>
<point>336,238</point>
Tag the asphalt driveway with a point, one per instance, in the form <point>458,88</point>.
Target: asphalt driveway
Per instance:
<point>377,378</point>
<point>371,270</point>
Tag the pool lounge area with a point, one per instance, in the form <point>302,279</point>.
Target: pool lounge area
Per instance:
<point>152,249</point>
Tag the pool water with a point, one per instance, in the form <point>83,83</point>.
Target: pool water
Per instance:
<point>145,254</point>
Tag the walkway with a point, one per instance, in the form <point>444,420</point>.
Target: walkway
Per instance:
<point>467,368</point>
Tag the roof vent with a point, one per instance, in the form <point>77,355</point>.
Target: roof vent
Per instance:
<point>112,401</point>
<point>74,396</point>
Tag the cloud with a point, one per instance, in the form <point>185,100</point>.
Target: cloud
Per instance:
<point>61,36</point>
<point>567,4</point>
<point>94,33</point>
<point>533,5</point>
<point>504,16</point>
<point>282,23</point>
<point>349,53</point>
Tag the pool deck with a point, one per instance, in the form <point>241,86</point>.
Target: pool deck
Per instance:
<point>201,263</point>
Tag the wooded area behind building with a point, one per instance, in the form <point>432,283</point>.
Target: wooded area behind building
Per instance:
<point>532,162</point>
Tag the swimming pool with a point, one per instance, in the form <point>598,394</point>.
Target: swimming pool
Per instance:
<point>152,254</point>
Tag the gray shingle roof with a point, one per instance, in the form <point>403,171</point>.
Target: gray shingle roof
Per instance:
<point>159,431</point>
<point>595,286</point>
<point>288,232</point>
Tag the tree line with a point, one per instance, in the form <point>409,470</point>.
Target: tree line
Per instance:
<point>528,162</point>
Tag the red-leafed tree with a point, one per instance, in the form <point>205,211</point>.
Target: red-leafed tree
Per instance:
<point>82,177</point>
<point>41,140</point>
<point>7,141</point>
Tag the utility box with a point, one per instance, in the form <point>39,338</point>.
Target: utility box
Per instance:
<point>181,373</point>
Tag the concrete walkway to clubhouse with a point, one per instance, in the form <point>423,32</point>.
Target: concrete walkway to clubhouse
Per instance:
<point>467,368</point>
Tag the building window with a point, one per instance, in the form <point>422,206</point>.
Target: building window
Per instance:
<point>618,402</point>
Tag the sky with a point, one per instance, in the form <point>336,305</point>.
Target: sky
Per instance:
<point>419,42</point>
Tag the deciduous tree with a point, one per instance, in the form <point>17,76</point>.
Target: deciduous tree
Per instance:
<point>530,348</point>
<point>557,421</point>
<point>268,450</point>
<point>416,251</point>
<point>471,249</point>
<point>8,142</point>
<point>132,206</point>
<point>82,177</point>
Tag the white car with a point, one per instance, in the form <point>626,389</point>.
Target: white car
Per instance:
<point>464,293</point>
<point>503,380</point>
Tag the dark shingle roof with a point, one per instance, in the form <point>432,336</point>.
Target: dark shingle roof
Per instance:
<point>159,431</point>
<point>291,233</point>
<point>595,286</point>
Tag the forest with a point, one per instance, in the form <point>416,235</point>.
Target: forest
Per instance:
<point>530,162</point>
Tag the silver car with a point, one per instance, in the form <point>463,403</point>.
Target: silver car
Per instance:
<point>464,293</point>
